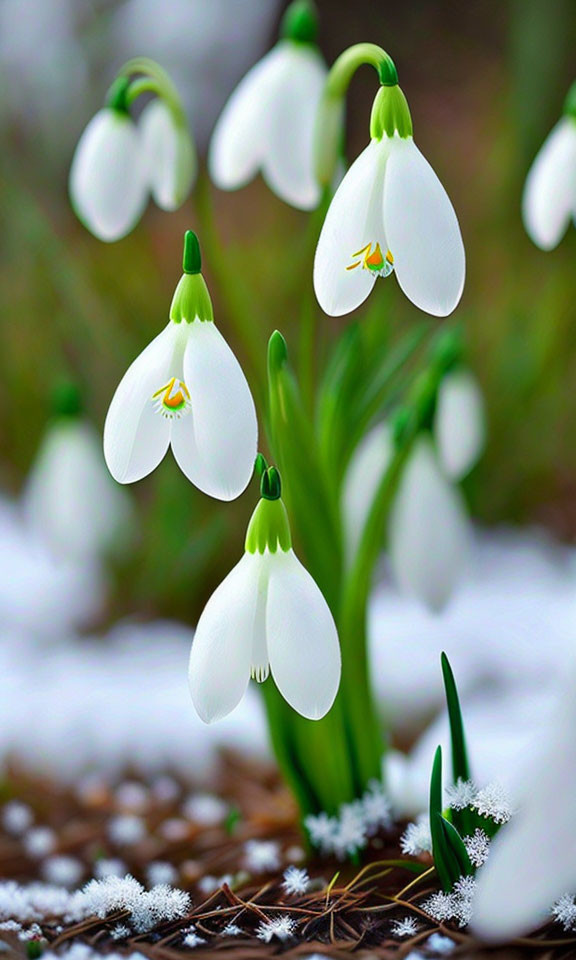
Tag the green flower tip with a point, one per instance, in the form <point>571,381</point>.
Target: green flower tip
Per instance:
<point>117,97</point>
<point>390,113</point>
<point>66,399</point>
<point>260,464</point>
<point>277,352</point>
<point>300,22</point>
<point>271,484</point>
<point>192,259</point>
<point>570,102</point>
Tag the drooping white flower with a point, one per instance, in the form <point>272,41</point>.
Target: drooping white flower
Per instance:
<point>169,155</point>
<point>268,123</point>
<point>390,213</point>
<point>459,424</point>
<point>363,476</point>
<point>428,532</point>
<point>549,199</point>
<point>186,390</point>
<point>268,615</point>
<point>69,499</point>
<point>532,859</point>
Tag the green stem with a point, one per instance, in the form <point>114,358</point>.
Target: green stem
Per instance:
<point>308,343</point>
<point>344,68</point>
<point>154,80</point>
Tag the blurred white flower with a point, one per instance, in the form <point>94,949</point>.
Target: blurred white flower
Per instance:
<point>108,177</point>
<point>268,125</point>
<point>70,500</point>
<point>267,615</point>
<point>168,154</point>
<point>390,213</point>
<point>549,199</point>
<point>531,861</point>
<point>185,390</point>
<point>459,424</point>
<point>366,469</point>
<point>428,532</point>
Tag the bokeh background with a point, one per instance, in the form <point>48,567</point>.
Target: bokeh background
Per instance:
<point>485,82</point>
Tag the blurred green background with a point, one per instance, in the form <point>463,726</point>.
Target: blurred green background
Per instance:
<point>485,83</point>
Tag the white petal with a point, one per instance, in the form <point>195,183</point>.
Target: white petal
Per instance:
<point>169,156</point>
<point>216,445</point>
<point>459,425</point>
<point>107,179</point>
<point>428,530</point>
<point>291,120</point>
<point>422,230</point>
<point>533,858</point>
<point>221,652</point>
<point>363,476</point>
<point>70,498</point>
<point>136,435</point>
<point>241,133</point>
<point>550,192</point>
<point>354,220</point>
<point>302,640</point>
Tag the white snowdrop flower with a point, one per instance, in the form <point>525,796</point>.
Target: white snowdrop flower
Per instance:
<point>549,199</point>
<point>268,615</point>
<point>62,870</point>
<point>186,390</point>
<point>16,818</point>
<point>275,105</point>
<point>461,794</point>
<point>459,423</point>
<point>478,847</point>
<point>205,809</point>
<point>161,872</point>
<point>531,861</point>
<point>39,842</point>
<point>69,499</point>
<point>231,930</point>
<point>429,534</point>
<point>109,867</point>
<point>416,838</point>
<point>281,927</point>
<point>126,829</point>
<point>261,856</point>
<point>365,471</point>
<point>132,796</point>
<point>295,882</point>
<point>564,911</point>
<point>407,927</point>
<point>390,214</point>
<point>493,801</point>
<point>168,154</point>
<point>108,187</point>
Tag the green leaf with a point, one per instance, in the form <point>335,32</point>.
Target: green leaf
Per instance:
<point>463,819</point>
<point>454,843</point>
<point>445,858</point>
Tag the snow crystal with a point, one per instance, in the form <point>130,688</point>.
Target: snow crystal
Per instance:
<point>191,937</point>
<point>493,802</point>
<point>205,809</point>
<point>348,832</point>
<point>132,796</point>
<point>160,871</point>
<point>209,884</point>
<point>461,794</point>
<point>416,838</point>
<point>564,911</point>
<point>322,829</point>
<point>145,908</point>
<point>120,932</point>
<point>281,927</point>
<point>109,867</point>
<point>406,927</point>
<point>440,944</point>
<point>295,881</point>
<point>261,856</point>
<point>231,930</point>
<point>126,829</point>
<point>376,808</point>
<point>456,905</point>
<point>39,842</point>
<point>17,818</point>
<point>62,870</point>
<point>478,847</point>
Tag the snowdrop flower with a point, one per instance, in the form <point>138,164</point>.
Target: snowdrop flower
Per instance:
<point>186,390</point>
<point>459,425</point>
<point>268,123</point>
<point>118,163</point>
<point>531,862</point>
<point>268,615</point>
<point>549,200</point>
<point>428,530</point>
<point>70,499</point>
<point>390,212</point>
<point>363,476</point>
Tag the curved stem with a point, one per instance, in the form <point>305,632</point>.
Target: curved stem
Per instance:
<point>344,68</point>
<point>156,80</point>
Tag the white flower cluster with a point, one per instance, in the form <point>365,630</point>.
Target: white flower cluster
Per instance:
<point>456,905</point>
<point>564,911</point>
<point>416,838</point>
<point>281,927</point>
<point>492,801</point>
<point>348,832</point>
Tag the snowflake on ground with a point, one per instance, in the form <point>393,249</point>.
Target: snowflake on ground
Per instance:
<point>192,938</point>
<point>416,838</point>
<point>477,847</point>
<point>39,842</point>
<point>126,829</point>
<point>146,908</point>
<point>261,856</point>
<point>205,809</point>
<point>407,927</point>
<point>493,802</point>
<point>160,871</point>
<point>461,794</point>
<point>376,808</point>
<point>348,832</point>
<point>62,870</point>
<point>322,830</point>
<point>281,927</point>
<point>564,911</point>
<point>210,884</point>
<point>109,867</point>
<point>231,930</point>
<point>351,835</point>
<point>456,905</point>
<point>440,944</point>
<point>120,932</point>
<point>295,881</point>
<point>17,818</point>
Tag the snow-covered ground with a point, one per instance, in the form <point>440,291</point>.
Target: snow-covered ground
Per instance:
<point>72,703</point>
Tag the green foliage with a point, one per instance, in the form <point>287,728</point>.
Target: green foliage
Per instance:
<point>450,857</point>
<point>463,819</point>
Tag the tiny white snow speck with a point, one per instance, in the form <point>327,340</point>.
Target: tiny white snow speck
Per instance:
<point>261,856</point>
<point>295,881</point>
<point>281,927</point>
<point>407,927</point>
